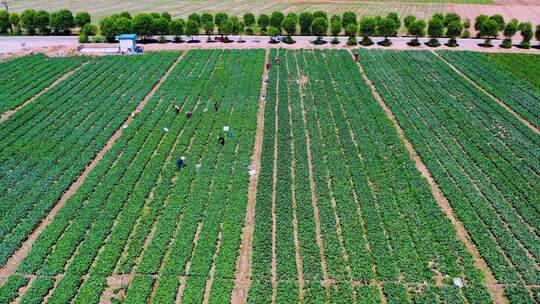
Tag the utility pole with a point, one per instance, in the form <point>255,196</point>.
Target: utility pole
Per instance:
<point>6,4</point>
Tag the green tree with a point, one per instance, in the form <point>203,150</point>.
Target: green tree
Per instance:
<point>220,18</point>
<point>335,18</point>
<point>479,20</point>
<point>451,17</point>
<point>192,28</point>
<point>195,17</point>
<point>387,27</point>
<point>292,16</point>
<point>4,22</point>
<point>15,23</point>
<point>537,33</point>
<point>319,28</point>
<point>89,29</point>
<point>500,21</point>
<point>176,28</point>
<point>289,26</point>
<point>161,26</point>
<point>335,27</point>
<point>276,18</point>
<point>416,28</point>
<point>348,18</point>
<point>510,29</point>
<point>126,15</point>
<point>351,31</point>
<point>82,18</point>
<point>42,22</point>
<point>28,21</point>
<point>489,30</point>
<point>368,28</point>
<point>305,19</point>
<point>320,14</point>
<point>123,25</point>
<point>263,21</point>
<point>466,27</point>
<point>394,17</point>
<point>224,29</point>
<point>525,29</point>
<point>62,21</point>
<point>143,25</point>
<point>167,16</point>
<point>273,32</point>
<point>249,19</point>
<point>207,17</point>
<point>435,31</point>
<point>107,28</point>
<point>453,30</point>
<point>208,28</point>
<point>408,21</point>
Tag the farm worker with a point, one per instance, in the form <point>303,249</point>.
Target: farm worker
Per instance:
<point>355,56</point>
<point>221,140</point>
<point>189,114</point>
<point>181,162</point>
<point>216,106</point>
<point>263,98</point>
<point>177,109</point>
<point>229,133</point>
<point>277,60</point>
<point>268,65</point>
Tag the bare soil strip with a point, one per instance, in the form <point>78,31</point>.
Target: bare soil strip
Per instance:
<point>493,288</point>
<point>314,202</point>
<point>4,116</point>
<point>14,261</point>
<point>243,263</point>
<point>502,104</point>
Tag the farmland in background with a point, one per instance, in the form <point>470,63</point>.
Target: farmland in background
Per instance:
<point>182,8</point>
<point>524,66</point>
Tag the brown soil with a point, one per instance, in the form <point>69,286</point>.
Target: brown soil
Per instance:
<point>4,116</point>
<point>493,288</point>
<point>243,263</point>
<point>14,261</point>
<point>507,108</point>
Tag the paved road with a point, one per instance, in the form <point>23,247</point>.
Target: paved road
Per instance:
<point>11,44</point>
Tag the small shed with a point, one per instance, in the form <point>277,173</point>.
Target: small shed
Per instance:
<point>128,42</point>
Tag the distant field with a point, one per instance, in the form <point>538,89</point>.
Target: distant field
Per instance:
<point>182,8</point>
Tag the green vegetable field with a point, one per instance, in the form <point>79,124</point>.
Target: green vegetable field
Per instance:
<point>405,177</point>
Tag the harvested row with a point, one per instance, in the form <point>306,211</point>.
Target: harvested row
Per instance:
<point>47,144</point>
<point>480,155</point>
<point>518,94</point>
<point>381,227</point>
<point>22,78</point>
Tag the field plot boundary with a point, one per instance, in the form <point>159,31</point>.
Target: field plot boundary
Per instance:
<point>495,291</point>
<point>242,280</point>
<point>497,100</point>
<point>6,115</point>
<point>14,261</point>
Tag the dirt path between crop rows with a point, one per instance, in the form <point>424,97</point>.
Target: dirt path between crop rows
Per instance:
<point>243,263</point>
<point>4,116</point>
<point>497,100</point>
<point>14,261</point>
<point>490,282</point>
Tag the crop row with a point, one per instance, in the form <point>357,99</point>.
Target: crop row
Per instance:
<point>69,126</point>
<point>486,173</point>
<point>25,77</point>
<point>123,166</point>
<point>520,95</point>
<point>388,218</point>
<point>523,66</point>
